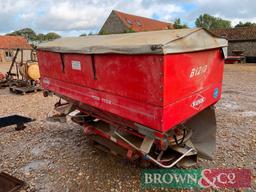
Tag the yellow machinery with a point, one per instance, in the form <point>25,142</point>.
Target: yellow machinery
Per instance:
<point>30,71</point>
<point>26,77</point>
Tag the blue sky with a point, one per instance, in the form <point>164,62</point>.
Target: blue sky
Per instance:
<point>73,17</point>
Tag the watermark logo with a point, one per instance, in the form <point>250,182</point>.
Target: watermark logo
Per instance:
<point>196,178</point>
<point>225,178</point>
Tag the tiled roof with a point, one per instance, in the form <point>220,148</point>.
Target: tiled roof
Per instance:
<point>14,42</point>
<point>137,23</point>
<point>236,34</point>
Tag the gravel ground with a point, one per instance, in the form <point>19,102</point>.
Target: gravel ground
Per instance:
<point>56,157</point>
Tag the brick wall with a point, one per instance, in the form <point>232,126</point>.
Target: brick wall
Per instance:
<point>249,47</point>
<point>4,60</point>
<point>113,25</point>
<point>2,56</point>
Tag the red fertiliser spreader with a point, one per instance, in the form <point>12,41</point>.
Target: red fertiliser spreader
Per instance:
<point>148,96</point>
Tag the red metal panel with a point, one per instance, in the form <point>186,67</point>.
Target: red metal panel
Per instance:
<point>188,73</point>
<point>49,64</point>
<point>135,77</point>
<point>53,66</point>
<point>177,112</point>
<point>148,115</point>
<point>192,82</point>
<point>77,69</point>
<point>138,77</point>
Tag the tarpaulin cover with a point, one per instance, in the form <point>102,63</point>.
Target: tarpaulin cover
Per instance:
<point>153,42</point>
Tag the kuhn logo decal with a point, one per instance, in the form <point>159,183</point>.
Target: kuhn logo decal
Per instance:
<point>198,102</point>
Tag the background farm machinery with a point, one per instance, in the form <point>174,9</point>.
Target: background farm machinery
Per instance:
<point>22,76</point>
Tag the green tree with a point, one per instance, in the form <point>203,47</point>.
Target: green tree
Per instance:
<point>26,32</point>
<point>178,25</point>
<point>51,36</point>
<point>246,24</point>
<point>83,34</point>
<point>92,33</point>
<point>32,36</point>
<point>40,37</point>
<point>210,22</point>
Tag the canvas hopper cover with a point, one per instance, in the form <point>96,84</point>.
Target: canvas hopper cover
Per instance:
<point>153,42</point>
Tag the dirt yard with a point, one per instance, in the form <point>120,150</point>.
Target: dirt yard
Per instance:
<point>4,67</point>
<point>56,157</point>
